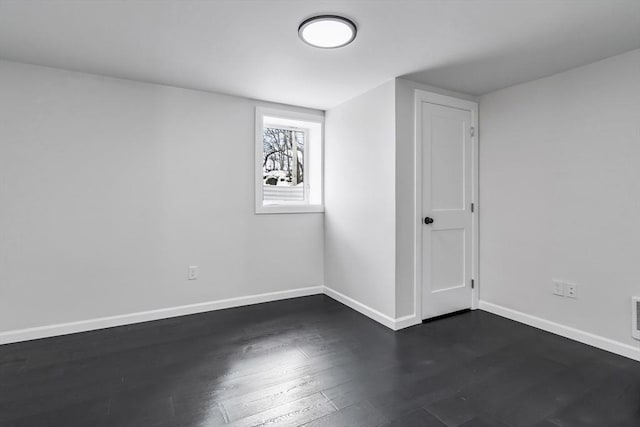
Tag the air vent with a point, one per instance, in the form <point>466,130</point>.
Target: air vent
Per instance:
<point>635,320</point>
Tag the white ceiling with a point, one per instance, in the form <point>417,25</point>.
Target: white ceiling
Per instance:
<point>251,48</point>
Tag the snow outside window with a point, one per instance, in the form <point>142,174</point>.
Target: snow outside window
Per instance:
<point>288,161</point>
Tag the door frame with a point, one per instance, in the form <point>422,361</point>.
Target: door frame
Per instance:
<point>462,104</point>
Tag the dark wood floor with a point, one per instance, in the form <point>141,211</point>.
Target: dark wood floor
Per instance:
<point>312,361</point>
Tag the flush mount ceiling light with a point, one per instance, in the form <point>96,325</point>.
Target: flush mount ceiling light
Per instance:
<point>327,31</point>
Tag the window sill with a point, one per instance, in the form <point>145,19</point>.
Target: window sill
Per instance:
<point>289,209</point>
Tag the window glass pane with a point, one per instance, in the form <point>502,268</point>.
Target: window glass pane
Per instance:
<point>283,164</point>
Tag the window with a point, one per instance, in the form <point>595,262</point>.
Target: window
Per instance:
<point>288,161</point>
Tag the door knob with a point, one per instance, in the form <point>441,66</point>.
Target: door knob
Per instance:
<point>428,220</point>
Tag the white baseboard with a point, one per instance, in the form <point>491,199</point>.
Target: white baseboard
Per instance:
<point>145,316</point>
<point>563,330</point>
<point>389,322</point>
<point>165,313</point>
<point>406,321</point>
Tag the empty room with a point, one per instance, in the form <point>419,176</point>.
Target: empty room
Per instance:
<point>351,213</point>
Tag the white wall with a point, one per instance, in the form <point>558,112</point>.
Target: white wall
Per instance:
<point>360,199</point>
<point>110,188</point>
<point>560,196</point>
<point>369,221</point>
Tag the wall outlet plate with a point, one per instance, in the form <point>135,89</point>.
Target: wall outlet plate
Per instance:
<point>571,290</point>
<point>558,287</point>
<point>192,272</point>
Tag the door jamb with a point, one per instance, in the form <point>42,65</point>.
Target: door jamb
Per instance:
<point>446,101</point>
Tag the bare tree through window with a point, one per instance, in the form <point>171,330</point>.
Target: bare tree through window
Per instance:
<point>283,163</point>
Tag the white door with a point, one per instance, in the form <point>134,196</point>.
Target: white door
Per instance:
<point>447,233</point>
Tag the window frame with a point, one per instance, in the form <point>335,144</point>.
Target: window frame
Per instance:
<point>303,206</point>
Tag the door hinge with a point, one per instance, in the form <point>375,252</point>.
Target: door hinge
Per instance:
<point>473,207</point>
<point>473,284</point>
<point>473,131</point>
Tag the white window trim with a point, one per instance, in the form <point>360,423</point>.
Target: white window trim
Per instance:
<point>285,206</point>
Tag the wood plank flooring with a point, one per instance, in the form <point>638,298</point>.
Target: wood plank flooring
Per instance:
<point>312,361</point>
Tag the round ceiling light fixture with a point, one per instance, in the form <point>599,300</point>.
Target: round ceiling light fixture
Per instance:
<point>327,31</point>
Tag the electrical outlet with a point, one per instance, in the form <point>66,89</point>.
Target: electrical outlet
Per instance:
<point>572,290</point>
<point>558,287</point>
<point>192,272</point>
